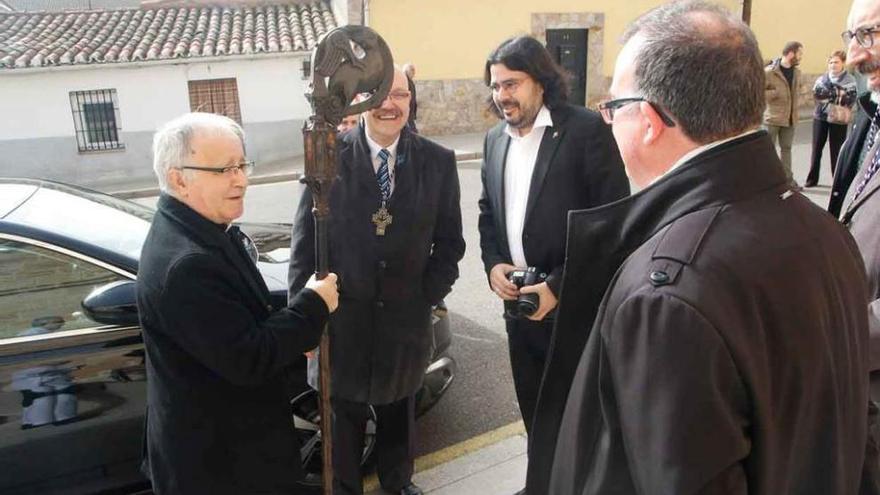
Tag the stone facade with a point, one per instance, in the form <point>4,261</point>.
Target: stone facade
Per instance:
<point>453,106</point>
<point>806,104</point>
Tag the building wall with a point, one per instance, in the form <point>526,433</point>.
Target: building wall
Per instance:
<point>449,41</point>
<point>37,133</point>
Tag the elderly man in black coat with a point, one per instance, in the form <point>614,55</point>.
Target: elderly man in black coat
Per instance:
<point>218,419</point>
<point>729,353</point>
<point>395,241</point>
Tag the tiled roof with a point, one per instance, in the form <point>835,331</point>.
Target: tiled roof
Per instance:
<point>47,5</point>
<point>131,35</point>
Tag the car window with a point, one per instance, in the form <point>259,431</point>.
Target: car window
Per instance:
<point>117,225</point>
<point>41,290</point>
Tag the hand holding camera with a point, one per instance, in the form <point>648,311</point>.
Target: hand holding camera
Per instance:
<point>527,287</point>
<point>546,300</point>
<point>501,284</point>
<point>527,303</point>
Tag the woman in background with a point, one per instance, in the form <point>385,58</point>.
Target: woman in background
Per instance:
<point>838,87</point>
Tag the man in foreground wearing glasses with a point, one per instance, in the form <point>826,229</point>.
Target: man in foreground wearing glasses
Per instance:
<point>545,158</point>
<point>728,355</point>
<point>395,241</point>
<point>857,179</point>
<point>218,418</point>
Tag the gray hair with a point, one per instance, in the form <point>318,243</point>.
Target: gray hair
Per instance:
<point>172,142</point>
<point>702,65</point>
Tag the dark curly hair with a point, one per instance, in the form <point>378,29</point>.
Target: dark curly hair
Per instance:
<point>526,54</point>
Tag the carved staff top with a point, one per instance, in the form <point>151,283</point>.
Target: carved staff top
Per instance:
<point>349,60</point>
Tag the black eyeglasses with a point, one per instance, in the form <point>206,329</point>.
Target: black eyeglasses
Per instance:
<point>397,95</point>
<point>607,109</point>
<point>246,168</point>
<point>508,85</point>
<point>864,36</point>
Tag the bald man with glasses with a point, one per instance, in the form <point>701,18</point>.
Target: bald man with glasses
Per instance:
<point>855,195</point>
<point>395,240</point>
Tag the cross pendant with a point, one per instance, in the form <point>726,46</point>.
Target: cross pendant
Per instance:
<point>382,218</point>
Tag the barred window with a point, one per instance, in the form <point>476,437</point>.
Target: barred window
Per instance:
<point>96,119</point>
<point>218,96</point>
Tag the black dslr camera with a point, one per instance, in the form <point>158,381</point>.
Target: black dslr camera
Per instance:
<point>526,304</point>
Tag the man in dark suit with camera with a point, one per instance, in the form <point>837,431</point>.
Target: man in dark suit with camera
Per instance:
<point>546,158</point>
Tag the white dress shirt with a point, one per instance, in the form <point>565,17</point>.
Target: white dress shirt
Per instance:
<point>392,160</point>
<point>518,169</point>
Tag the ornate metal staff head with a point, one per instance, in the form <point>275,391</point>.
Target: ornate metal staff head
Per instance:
<point>350,60</point>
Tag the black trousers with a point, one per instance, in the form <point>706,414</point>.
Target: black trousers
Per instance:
<point>822,132</point>
<point>528,342</point>
<point>395,444</point>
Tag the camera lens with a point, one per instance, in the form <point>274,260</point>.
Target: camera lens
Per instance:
<point>527,304</point>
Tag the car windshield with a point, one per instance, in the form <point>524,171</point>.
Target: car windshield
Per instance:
<point>110,223</point>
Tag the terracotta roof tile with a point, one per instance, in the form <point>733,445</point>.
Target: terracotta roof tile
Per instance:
<point>130,35</point>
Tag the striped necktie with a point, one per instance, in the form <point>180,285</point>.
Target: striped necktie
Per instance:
<point>383,175</point>
<point>871,169</point>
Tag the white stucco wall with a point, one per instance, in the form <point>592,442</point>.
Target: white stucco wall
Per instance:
<point>37,133</point>
<point>36,103</point>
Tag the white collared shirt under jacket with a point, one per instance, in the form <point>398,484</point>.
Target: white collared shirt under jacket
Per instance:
<point>518,169</point>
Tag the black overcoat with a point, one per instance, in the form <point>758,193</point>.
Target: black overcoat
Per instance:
<point>381,336</point>
<point>578,166</point>
<point>218,417</point>
<point>729,353</point>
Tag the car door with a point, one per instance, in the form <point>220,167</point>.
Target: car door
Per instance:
<point>72,390</point>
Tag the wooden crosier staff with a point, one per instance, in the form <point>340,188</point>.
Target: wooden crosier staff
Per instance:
<point>350,60</point>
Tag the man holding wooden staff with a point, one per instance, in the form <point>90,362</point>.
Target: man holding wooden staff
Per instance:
<point>395,240</point>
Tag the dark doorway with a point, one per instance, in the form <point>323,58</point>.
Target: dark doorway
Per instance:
<point>569,49</point>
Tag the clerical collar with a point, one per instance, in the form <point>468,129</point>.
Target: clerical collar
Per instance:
<point>375,147</point>
<point>542,120</point>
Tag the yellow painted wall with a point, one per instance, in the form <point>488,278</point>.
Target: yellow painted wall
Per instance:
<point>450,39</point>
<point>815,23</point>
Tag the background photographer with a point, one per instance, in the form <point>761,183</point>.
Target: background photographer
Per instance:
<point>546,158</point>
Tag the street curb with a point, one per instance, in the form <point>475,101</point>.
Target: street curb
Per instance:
<point>269,179</point>
<point>468,155</point>
<point>461,449</point>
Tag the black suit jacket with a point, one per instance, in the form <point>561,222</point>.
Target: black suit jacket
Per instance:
<point>388,283</point>
<point>218,417</point>
<point>848,159</point>
<point>578,166</point>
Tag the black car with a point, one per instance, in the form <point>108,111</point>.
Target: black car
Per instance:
<point>72,377</point>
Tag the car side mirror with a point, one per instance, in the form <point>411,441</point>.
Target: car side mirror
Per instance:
<point>112,304</point>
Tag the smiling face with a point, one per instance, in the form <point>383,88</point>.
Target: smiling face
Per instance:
<point>874,81</point>
<point>217,197</point>
<point>517,96</point>
<point>385,122</point>
<point>864,14</point>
